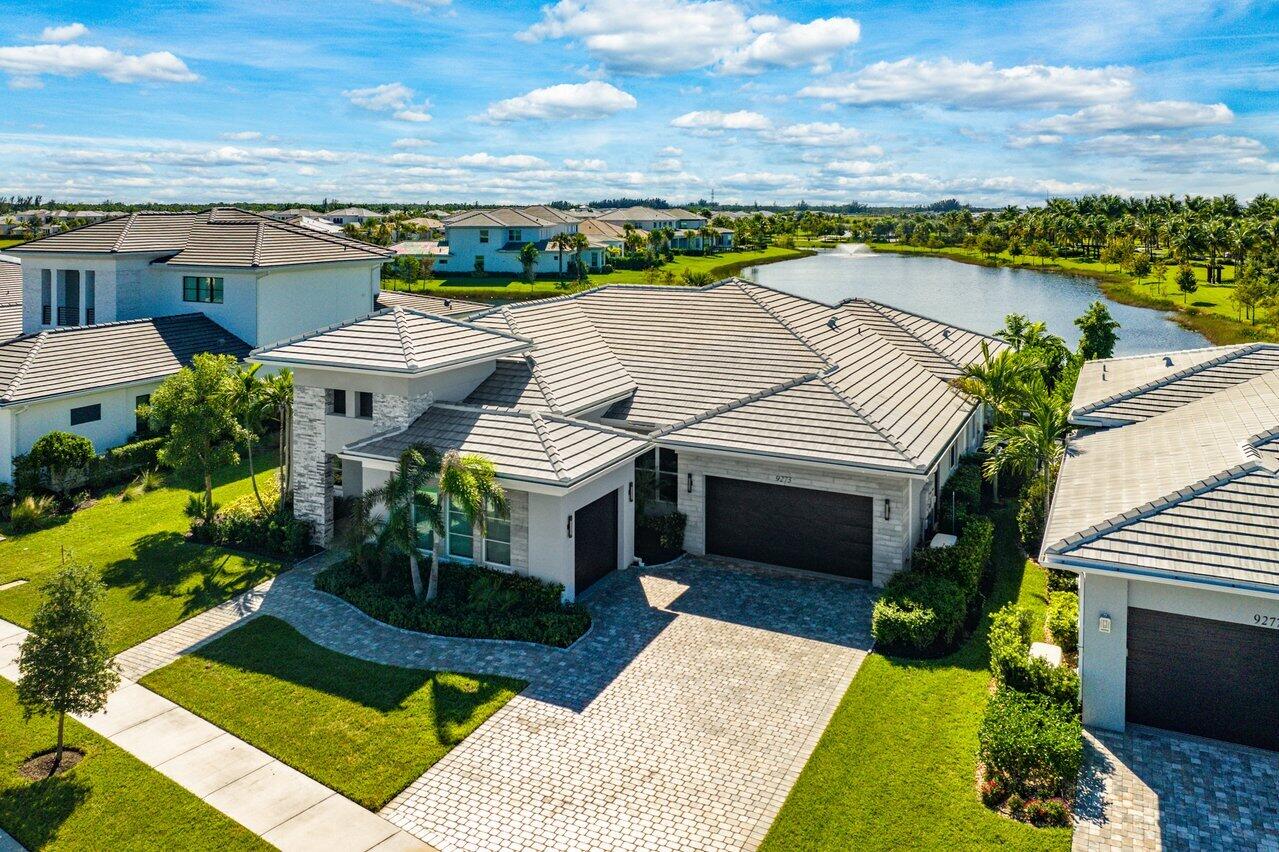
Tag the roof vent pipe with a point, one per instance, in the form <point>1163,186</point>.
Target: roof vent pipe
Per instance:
<point>832,323</point>
<point>1167,361</point>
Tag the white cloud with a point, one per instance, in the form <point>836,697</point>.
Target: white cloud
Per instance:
<point>1217,153</point>
<point>510,161</point>
<point>667,165</point>
<point>594,99</point>
<point>411,142</point>
<point>815,135</point>
<point>759,180</point>
<point>856,167</point>
<point>971,85</point>
<point>714,121</point>
<point>71,60</point>
<point>1034,140</point>
<point>672,151</point>
<point>395,98</point>
<point>792,45</point>
<point>585,165</point>
<point>668,36</point>
<point>67,32</point>
<point>1134,115</point>
<point>418,5</point>
<point>242,136</point>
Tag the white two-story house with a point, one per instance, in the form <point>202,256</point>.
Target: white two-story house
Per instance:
<point>486,242</point>
<point>677,220</point>
<point>110,309</point>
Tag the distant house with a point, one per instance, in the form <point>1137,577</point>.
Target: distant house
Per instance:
<point>490,241</point>
<point>108,310</point>
<point>426,223</point>
<point>315,224</point>
<point>294,213</point>
<point>351,216</point>
<point>676,219</point>
<point>609,234</point>
<point>420,248</point>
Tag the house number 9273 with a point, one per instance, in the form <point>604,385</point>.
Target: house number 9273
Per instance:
<point>782,477</point>
<point>1265,620</point>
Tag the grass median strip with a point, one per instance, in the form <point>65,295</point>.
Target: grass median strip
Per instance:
<point>364,729</point>
<point>896,767</point>
<point>110,800</point>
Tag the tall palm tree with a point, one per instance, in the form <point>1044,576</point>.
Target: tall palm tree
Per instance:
<point>579,244</point>
<point>1035,443</point>
<point>402,493</point>
<point>246,398</point>
<point>996,381</point>
<point>277,395</point>
<point>469,485</point>
<point>528,260</point>
<point>562,242</point>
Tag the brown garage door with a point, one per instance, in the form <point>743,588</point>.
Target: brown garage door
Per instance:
<point>594,541</point>
<point>1209,678</point>
<point>796,527</point>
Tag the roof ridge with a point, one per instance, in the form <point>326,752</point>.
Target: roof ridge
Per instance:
<point>552,451</point>
<point>739,402</point>
<point>1185,372</point>
<point>124,231</point>
<point>406,339</point>
<point>803,339</point>
<point>870,421</point>
<point>1154,507</point>
<point>336,239</point>
<point>878,309</point>
<point>21,373</point>
<point>382,312</point>
<point>257,244</point>
<point>533,368</point>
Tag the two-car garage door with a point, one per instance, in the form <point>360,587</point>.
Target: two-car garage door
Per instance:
<point>1199,676</point>
<point>794,527</point>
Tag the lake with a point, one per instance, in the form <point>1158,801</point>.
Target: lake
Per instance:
<point>975,297</point>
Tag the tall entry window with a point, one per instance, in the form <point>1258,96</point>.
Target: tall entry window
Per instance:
<point>657,480</point>
<point>497,536</point>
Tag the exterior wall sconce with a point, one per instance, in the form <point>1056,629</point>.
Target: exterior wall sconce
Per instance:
<point>690,483</point>
<point>630,492</point>
<point>570,526</point>
<point>888,508</point>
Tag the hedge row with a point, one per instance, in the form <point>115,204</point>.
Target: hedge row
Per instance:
<point>924,609</point>
<point>114,467</point>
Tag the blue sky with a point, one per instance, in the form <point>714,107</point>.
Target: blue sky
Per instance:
<point>457,100</point>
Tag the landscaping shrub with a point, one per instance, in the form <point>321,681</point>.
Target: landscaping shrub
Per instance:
<point>1045,813</point>
<point>1063,619</point>
<point>1009,641</point>
<point>960,496</point>
<point>919,611</point>
<point>965,562</point>
<point>56,457</point>
<point>473,601</point>
<point>1031,745</point>
<point>1062,581</point>
<point>32,512</point>
<point>243,524</point>
<point>1030,516</point>
<point>33,471</point>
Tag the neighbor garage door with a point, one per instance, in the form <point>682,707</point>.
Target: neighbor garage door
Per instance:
<point>795,527</point>
<point>594,541</point>
<point>1210,678</point>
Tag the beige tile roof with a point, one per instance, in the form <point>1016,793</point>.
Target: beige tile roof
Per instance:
<point>395,340</point>
<point>10,280</point>
<point>500,217</point>
<point>84,358</point>
<point>1189,491</point>
<point>220,236</point>
<point>523,445</point>
<point>511,385</point>
<point>429,304</point>
<point>601,230</point>
<point>1125,390</point>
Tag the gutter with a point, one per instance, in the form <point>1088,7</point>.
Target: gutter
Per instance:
<point>1087,566</point>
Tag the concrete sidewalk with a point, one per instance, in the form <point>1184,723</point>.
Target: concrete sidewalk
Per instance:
<point>288,809</point>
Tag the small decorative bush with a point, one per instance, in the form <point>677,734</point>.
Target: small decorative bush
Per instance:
<point>32,512</point>
<point>59,456</point>
<point>1031,745</point>
<point>1010,660</point>
<point>243,524</point>
<point>965,562</point>
<point>1063,619</point>
<point>961,495</point>
<point>1046,813</point>
<point>919,611</point>
<point>1062,581</point>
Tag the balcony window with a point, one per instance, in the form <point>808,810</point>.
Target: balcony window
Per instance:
<point>46,296</point>
<point>68,297</point>
<point>200,288</point>
<point>90,297</point>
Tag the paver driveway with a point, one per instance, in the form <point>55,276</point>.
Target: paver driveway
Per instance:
<point>679,722</point>
<point>1152,789</point>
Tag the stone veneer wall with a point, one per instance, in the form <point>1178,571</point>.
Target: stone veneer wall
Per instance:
<point>391,411</point>
<point>891,547</point>
<point>312,477</point>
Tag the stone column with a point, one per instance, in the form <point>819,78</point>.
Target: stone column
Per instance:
<point>312,474</point>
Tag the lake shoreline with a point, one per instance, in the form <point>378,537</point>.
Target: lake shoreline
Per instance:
<point>1219,330</point>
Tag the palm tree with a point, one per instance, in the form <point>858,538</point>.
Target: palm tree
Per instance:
<point>580,244</point>
<point>562,242</point>
<point>707,233</point>
<point>246,398</point>
<point>528,260</point>
<point>469,485</point>
<point>998,383</point>
<point>402,493</point>
<point>1036,443</point>
<point>277,395</point>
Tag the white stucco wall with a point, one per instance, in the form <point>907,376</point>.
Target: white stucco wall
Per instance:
<point>295,301</point>
<point>113,278</point>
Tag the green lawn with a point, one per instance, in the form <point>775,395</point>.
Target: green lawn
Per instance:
<point>111,800</point>
<point>364,729</point>
<point>1208,310</point>
<point>6,243</point>
<point>896,767</point>
<point>504,287</point>
<point>154,577</point>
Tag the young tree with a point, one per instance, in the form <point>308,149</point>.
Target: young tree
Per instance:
<point>1159,269</point>
<point>64,665</point>
<point>277,395</point>
<point>1186,282</point>
<point>246,398</point>
<point>406,500</point>
<point>563,242</point>
<point>1099,332</point>
<point>202,431</point>
<point>1141,267</point>
<point>528,260</point>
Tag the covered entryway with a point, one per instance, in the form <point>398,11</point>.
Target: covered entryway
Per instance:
<point>793,527</point>
<point>1200,676</point>
<point>594,541</point>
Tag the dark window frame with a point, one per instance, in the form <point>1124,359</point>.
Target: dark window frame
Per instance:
<point>337,401</point>
<point>364,405</point>
<point>86,414</point>
<point>204,289</point>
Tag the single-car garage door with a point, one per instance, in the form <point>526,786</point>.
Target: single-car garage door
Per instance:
<point>1204,677</point>
<point>594,541</point>
<point>795,527</point>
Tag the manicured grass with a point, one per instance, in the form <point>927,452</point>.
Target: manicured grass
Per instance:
<point>896,767</point>
<point>719,266</point>
<point>6,243</point>
<point>364,729</point>
<point>154,577</point>
<point>111,800</point>
<point>1208,310</point>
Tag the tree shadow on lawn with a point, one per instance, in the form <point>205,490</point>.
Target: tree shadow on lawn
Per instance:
<point>166,564</point>
<point>34,812</point>
<point>456,697</point>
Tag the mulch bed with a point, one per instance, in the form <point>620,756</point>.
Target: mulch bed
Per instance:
<point>41,766</point>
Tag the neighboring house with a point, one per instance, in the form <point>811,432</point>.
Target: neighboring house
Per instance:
<point>315,224</point>
<point>490,240</point>
<point>420,248</point>
<point>426,223</point>
<point>111,308</point>
<point>351,215</point>
<point>788,431</point>
<point>10,297</point>
<point>295,213</point>
<point>676,219</point>
<point>1167,507</point>
<point>609,234</point>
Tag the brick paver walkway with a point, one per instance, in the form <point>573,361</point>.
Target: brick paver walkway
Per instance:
<point>1151,789</point>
